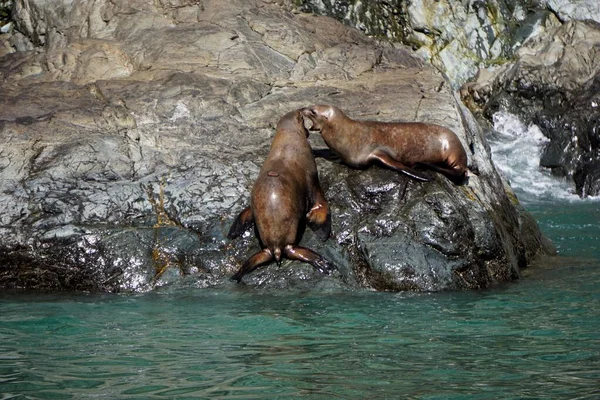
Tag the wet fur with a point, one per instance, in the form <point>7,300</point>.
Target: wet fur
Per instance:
<point>285,197</point>
<point>396,145</point>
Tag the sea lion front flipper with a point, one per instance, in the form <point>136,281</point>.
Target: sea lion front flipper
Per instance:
<point>308,256</point>
<point>326,154</point>
<point>258,259</point>
<point>319,216</point>
<point>242,223</point>
<point>389,162</point>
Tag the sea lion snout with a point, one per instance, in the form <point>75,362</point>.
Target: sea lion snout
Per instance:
<point>308,116</point>
<point>314,117</point>
<point>293,122</point>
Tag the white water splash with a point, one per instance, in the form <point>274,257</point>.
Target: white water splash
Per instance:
<point>516,150</point>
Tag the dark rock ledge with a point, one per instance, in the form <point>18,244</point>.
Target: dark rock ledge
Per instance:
<point>131,133</point>
<point>553,82</point>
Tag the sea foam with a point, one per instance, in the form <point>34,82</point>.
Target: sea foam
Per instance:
<point>516,149</point>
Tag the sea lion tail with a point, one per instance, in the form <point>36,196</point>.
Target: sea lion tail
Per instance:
<point>277,255</point>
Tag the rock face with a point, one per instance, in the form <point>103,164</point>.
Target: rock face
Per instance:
<point>568,10</point>
<point>457,37</point>
<point>132,132</point>
<point>554,83</point>
<point>551,83</point>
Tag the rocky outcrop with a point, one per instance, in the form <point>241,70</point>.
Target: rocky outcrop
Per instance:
<point>457,37</point>
<point>132,132</point>
<point>512,50</point>
<point>5,12</point>
<point>554,83</point>
<point>573,10</point>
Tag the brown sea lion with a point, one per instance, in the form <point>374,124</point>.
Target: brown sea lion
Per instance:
<point>397,145</point>
<point>285,196</point>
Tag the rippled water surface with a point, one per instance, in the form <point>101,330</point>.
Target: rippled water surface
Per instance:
<point>537,338</point>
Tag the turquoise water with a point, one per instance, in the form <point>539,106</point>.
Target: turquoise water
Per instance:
<point>538,338</point>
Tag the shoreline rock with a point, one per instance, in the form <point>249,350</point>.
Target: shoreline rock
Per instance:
<point>132,133</point>
<point>554,83</point>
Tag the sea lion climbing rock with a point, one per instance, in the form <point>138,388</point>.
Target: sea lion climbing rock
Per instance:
<point>397,145</point>
<point>285,196</point>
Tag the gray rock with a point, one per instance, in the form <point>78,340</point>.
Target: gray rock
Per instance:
<point>554,82</point>
<point>568,10</point>
<point>132,133</point>
<point>457,37</point>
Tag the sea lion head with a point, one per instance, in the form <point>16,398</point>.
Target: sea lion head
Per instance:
<point>321,115</point>
<point>292,121</point>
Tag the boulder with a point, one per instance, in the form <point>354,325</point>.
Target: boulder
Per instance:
<point>568,10</point>
<point>133,131</point>
<point>554,83</point>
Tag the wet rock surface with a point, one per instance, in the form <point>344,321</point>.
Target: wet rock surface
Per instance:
<point>132,133</point>
<point>555,84</point>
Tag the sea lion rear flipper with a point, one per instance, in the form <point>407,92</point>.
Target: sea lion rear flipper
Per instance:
<point>319,216</point>
<point>308,256</point>
<point>258,259</point>
<point>456,176</point>
<point>242,223</point>
<point>389,162</point>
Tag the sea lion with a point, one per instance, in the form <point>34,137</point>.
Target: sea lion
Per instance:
<point>285,196</point>
<point>397,145</point>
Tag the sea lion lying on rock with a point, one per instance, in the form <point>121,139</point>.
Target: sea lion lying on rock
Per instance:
<point>397,145</point>
<point>285,196</point>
